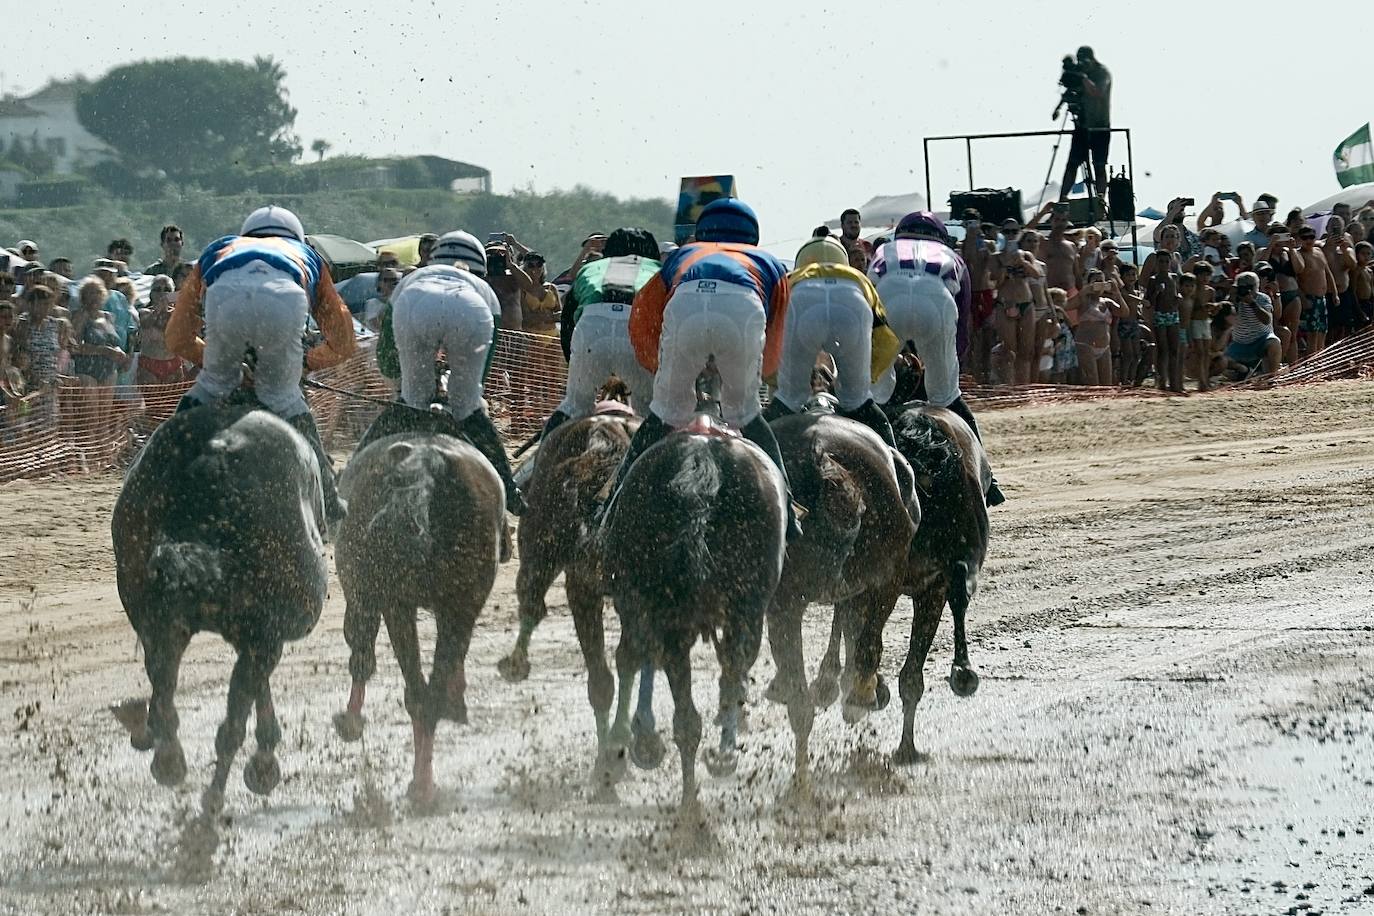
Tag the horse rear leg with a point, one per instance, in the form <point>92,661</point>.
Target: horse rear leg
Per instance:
<point>871,611</point>
<point>825,689</point>
<point>262,773</point>
<point>925,620</point>
<point>162,661</point>
<point>677,665</point>
<point>245,685</point>
<point>448,682</point>
<point>785,640</point>
<point>962,678</point>
<point>405,643</point>
<point>362,620</point>
<point>585,602</point>
<point>532,582</point>
<point>736,651</point>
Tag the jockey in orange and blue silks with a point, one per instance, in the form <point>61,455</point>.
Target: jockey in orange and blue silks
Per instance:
<point>719,296</point>
<point>256,290</point>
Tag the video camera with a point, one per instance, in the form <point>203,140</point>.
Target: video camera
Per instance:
<point>1071,84</point>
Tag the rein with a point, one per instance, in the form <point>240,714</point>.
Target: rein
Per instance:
<point>358,396</point>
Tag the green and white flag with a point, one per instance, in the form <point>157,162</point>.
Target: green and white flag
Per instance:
<point>1354,159</point>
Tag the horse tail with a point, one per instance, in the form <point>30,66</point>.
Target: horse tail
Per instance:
<point>404,516</point>
<point>694,489</point>
<point>187,568</point>
<point>598,460</point>
<point>934,457</point>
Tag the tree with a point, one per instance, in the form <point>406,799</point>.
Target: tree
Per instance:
<point>320,147</point>
<point>188,115</point>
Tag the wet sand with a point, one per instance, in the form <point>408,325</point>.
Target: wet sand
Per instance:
<point>1176,715</point>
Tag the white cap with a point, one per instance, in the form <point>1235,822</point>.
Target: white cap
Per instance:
<point>459,247</point>
<point>273,221</point>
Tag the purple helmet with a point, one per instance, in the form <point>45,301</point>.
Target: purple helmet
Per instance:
<point>923,224</point>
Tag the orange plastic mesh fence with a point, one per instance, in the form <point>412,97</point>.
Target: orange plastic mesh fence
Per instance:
<point>75,429</point>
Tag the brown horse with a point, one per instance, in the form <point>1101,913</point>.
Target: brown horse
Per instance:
<point>219,528</point>
<point>559,533</point>
<point>424,529</point>
<point>853,553</point>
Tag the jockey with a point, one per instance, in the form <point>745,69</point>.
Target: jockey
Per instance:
<point>595,325</point>
<point>926,289</point>
<point>447,306</point>
<point>257,289</point>
<point>834,308</point>
<point>720,295</point>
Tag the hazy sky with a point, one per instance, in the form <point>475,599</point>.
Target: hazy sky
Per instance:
<point>814,107</point>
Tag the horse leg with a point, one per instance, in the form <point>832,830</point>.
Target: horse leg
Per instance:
<point>245,685</point>
<point>405,643</point>
<point>677,666</point>
<point>736,651</point>
<point>647,749</point>
<point>532,583</point>
<point>867,692</point>
<point>162,660</point>
<point>262,773</point>
<point>825,689</point>
<point>911,684</point>
<point>785,639</point>
<point>963,680</point>
<point>448,682</point>
<point>361,623</point>
<point>585,602</point>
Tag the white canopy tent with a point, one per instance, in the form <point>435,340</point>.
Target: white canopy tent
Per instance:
<point>1357,195</point>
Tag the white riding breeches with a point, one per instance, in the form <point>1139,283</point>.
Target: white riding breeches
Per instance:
<point>707,318</point>
<point>921,309</point>
<point>832,315</point>
<point>433,314</point>
<point>256,306</point>
<point>601,347</point>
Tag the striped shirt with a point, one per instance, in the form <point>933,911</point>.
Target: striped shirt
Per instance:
<point>1248,328</point>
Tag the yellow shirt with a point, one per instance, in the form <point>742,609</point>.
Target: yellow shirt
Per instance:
<point>886,346</point>
<point>539,314</point>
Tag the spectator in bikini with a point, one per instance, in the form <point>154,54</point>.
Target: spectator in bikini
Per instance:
<point>1035,244</point>
<point>1065,349</point>
<point>1339,252</point>
<point>1089,250</point>
<point>1284,256</point>
<point>1318,289</point>
<point>1097,308</point>
<point>1200,325</point>
<point>1162,293</point>
<point>979,253</point>
<point>157,365</point>
<point>1128,325</point>
<point>1013,270</point>
<point>1109,260</point>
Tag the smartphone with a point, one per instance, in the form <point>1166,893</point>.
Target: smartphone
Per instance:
<point>1188,202</point>
<point>1228,195</point>
<point>1061,209</point>
<point>496,238</point>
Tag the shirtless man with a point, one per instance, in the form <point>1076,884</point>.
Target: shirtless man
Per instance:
<point>1362,281</point>
<point>1200,325</point>
<point>1015,315</point>
<point>1318,287</point>
<point>1061,257</point>
<point>1340,257</point>
<point>979,250</point>
<point>1161,291</point>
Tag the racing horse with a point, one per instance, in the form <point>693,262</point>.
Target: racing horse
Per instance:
<point>425,528</point>
<point>559,533</point>
<point>694,546</point>
<point>853,554</point>
<point>219,527</point>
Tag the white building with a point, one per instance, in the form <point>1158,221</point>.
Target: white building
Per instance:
<point>48,118</point>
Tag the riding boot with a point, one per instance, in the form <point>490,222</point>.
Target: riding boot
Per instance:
<point>555,420</point>
<point>187,402</point>
<point>776,409</point>
<point>760,433</point>
<point>481,432</point>
<point>994,496</point>
<point>334,507</point>
<point>871,415</point>
<point>649,432</point>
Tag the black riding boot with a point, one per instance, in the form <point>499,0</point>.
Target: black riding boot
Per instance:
<point>760,433</point>
<point>649,432</point>
<point>481,432</point>
<point>871,415</point>
<point>186,403</point>
<point>555,420</point>
<point>334,508</point>
<point>776,409</point>
<point>994,496</point>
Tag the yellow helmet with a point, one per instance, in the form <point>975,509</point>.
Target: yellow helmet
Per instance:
<point>822,250</point>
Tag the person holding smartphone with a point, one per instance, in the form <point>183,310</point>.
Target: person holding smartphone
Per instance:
<point>1252,335</point>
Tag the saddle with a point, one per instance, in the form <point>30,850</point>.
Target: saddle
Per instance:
<point>704,423</point>
<point>612,409</point>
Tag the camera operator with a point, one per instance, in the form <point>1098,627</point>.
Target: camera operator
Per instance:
<point>1091,123</point>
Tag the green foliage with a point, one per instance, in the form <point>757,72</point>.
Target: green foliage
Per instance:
<point>553,223</point>
<point>30,157</point>
<point>186,114</point>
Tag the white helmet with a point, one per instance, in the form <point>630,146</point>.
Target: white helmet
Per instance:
<point>460,247</point>
<point>273,221</point>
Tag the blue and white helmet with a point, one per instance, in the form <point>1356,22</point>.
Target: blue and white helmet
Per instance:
<point>273,221</point>
<point>459,247</point>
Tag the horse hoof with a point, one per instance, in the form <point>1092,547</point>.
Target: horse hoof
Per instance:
<point>169,764</point>
<point>882,695</point>
<point>513,668</point>
<point>776,692</point>
<point>721,763</point>
<point>349,725</point>
<point>824,692</point>
<point>422,796</point>
<point>611,766</point>
<point>261,773</point>
<point>906,755</point>
<point>963,681</point>
<point>855,712</point>
<point>133,715</point>
<point>647,750</point>
<point>455,709</point>
<point>211,802</point>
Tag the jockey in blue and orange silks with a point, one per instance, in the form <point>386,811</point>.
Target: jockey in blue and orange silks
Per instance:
<point>720,295</point>
<point>257,289</point>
